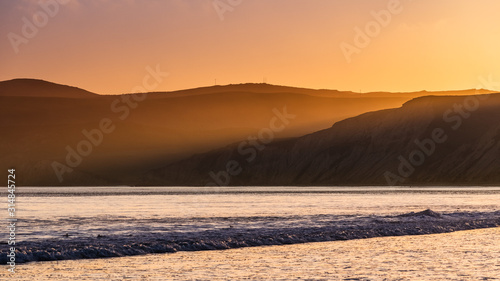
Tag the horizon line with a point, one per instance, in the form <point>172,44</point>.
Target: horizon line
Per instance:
<point>249,83</point>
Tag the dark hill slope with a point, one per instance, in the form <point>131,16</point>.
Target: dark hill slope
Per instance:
<point>376,148</point>
<point>40,88</point>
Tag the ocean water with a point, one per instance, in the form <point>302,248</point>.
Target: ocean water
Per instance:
<point>54,213</point>
<point>463,255</point>
<point>121,222</point>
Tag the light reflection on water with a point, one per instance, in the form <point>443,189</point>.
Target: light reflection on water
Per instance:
<point>82,212</point>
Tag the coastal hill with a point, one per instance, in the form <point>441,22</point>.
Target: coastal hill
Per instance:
<point>45,123</point>
<point>428,141</point>
<point>41,88</point>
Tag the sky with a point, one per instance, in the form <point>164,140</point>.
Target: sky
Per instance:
<point>106,46</point>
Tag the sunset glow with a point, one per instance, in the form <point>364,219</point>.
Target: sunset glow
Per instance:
<point>104,46</point>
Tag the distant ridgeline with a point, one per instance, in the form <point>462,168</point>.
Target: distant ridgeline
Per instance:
<point>248,134</point>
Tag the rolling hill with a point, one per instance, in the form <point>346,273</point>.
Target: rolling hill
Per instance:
<point>44,123</point>
<point>428,141</point>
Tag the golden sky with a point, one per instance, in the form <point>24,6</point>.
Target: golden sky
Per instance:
<point>105,45</point>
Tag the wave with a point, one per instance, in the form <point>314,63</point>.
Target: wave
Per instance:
<point>102,246</point>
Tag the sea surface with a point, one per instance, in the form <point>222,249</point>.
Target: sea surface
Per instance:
<point>257,233</point>
<point>462,255</point>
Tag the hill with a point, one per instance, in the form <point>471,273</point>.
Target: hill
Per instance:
<point>40,88</point>
<point>428,141</point>
<point>43,122</point>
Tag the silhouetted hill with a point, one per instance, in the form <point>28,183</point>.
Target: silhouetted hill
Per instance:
<point>253,88</point>
<point>276,89</point>
<point>428,141</point>
<point>43,122</point>
<point>40,88</point>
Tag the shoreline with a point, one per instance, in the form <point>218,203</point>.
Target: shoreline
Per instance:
<point>470,255</point>
<point>420,223</point>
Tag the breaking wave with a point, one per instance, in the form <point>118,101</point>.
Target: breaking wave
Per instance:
<point>228,237</point>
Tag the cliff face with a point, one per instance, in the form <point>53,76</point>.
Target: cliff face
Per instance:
<point>428,141</point>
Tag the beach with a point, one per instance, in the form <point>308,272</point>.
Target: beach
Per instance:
<point>463,255</point>
<point>114,232</point>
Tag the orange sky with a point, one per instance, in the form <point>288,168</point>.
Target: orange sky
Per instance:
<point>104,45</point>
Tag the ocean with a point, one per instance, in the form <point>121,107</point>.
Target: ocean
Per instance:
<point>260,233</point>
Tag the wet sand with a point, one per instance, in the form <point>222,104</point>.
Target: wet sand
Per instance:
<point>463,255</point>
